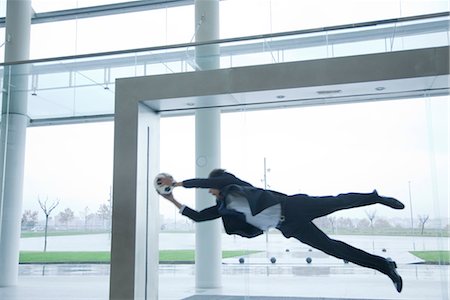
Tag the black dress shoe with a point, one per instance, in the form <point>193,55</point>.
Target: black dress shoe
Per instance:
<point>389,201</point>
<point>392,202</point>
<point>395,277</point>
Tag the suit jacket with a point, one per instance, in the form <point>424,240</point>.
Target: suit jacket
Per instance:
<point>233,221</point>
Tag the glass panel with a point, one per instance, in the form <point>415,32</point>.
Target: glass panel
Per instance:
<point>41,6</point>
<point>112,33</point>
<point>4,124</point>
<point>173,25</point>
<point>53,39</point>
<point>85,86</point>
<point>2,9</point>
<point>398,147</point>
<point>2,38</point>
<point>270,16</point>
<point>68,176</point>
<point>72,164</point>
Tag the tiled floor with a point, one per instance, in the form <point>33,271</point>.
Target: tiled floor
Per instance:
<point>266,282</point>
<point>225,297</point>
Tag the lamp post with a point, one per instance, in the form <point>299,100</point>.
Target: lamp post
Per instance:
<point>265,187</point>
<point>411,211</point>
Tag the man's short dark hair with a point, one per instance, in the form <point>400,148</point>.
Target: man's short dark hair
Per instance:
<point>216,173</point>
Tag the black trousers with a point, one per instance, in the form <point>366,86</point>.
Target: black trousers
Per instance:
<point>299,211</point>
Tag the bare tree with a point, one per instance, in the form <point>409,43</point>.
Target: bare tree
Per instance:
<point>346,223</point>
<point>85,214</point>
<point>382,223</point>
<point>422,220</point>
<point>371,216</point>
<point>47,211</point>
<point>322,223</point>
<point>362,224</point>
<point>332,220</point>
<point>29,219</point>
<point>66,216</point>
<point>104,212</point>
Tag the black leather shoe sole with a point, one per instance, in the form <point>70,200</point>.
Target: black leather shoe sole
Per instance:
<point>395,277</point>
<point>392,202</point>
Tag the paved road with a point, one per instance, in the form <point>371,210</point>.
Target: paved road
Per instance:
<point>101,242</point>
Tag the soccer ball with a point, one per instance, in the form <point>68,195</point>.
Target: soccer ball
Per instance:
<point>162,189</point>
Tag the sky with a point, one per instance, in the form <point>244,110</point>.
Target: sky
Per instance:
<point>396,147</point>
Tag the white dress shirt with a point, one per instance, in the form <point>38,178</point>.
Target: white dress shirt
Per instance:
<point>268,218</point>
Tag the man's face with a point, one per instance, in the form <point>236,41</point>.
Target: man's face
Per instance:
<point>214,192</point>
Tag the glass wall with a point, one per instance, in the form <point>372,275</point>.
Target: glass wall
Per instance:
<point>42,6</point>
<point>398,147</point>
<point>79,87</point>
<point>71,164</point>
<point>175,24</point>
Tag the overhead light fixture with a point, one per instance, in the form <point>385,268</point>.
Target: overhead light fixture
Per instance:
<point>328,92</point>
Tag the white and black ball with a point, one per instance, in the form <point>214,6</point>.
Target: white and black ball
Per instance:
<point>161,188</point>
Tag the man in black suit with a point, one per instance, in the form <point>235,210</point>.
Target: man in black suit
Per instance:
<point>248,211</point>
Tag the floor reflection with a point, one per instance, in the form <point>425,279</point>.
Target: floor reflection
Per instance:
<point>63,269</point>
<point>413,270</point>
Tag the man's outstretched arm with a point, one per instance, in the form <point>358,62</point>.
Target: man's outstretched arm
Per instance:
<point>206,214</point>
<point>206,183</point>
<point>172,199</point>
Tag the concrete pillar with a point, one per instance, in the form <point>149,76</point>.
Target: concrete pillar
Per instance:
<point>208,248</point>
<point>13,132</point>
<point>208,254</point>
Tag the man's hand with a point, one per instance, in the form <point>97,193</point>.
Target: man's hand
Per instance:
<point>166,180</point>
<point>172,199</point>
<point>167,196</point>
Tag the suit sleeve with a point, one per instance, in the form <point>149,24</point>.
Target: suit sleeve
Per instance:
<point>206,183</point>
<point>206,214</point>
<point>215,182</point>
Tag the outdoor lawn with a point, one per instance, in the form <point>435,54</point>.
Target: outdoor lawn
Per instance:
<point>38,257</point>
<point>176,256</point>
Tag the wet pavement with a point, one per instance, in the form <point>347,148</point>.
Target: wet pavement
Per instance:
<point>289,277</point>
<point>242,281</point>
